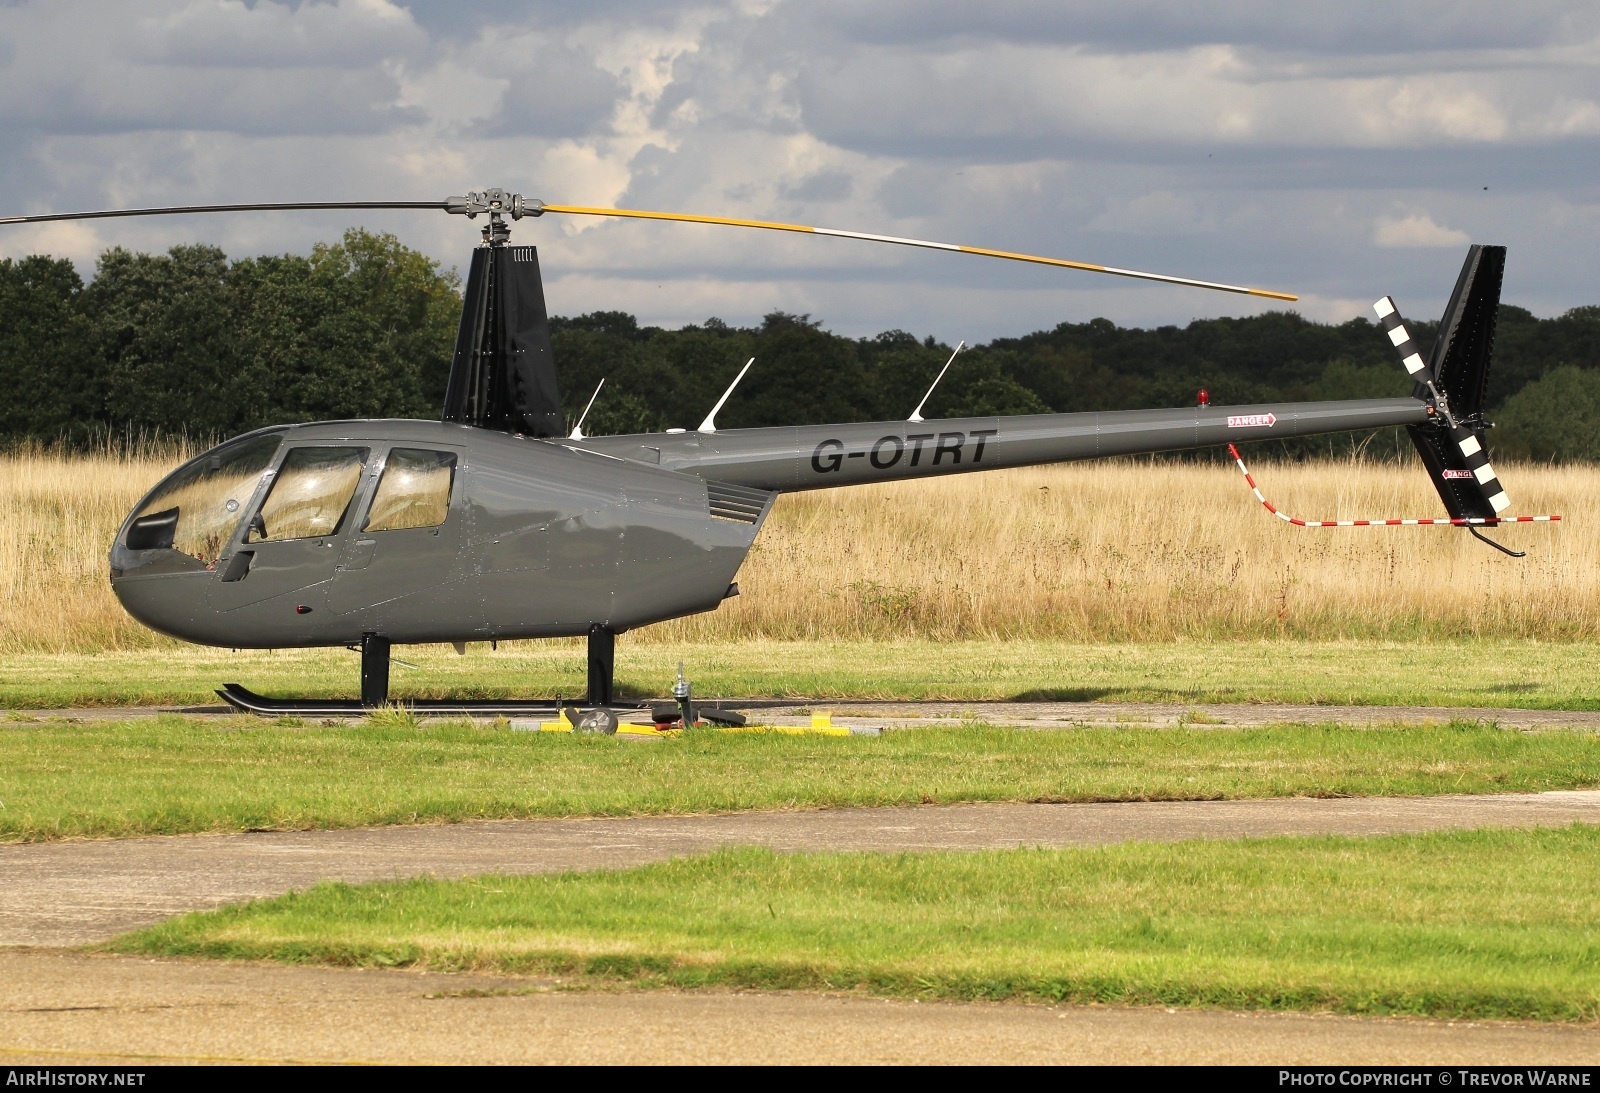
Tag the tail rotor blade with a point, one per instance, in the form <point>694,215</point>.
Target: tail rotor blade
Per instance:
<point>1469,442</point>
<point>1400,338</point>
<point>1460,468</point>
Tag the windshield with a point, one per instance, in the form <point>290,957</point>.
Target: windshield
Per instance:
<point>204,500</point>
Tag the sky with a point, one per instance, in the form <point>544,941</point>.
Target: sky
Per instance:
<point>1338,151</point>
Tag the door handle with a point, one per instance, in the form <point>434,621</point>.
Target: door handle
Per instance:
<point>360,554</point>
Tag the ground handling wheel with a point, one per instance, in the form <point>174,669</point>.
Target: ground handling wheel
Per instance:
<point>601,721</point>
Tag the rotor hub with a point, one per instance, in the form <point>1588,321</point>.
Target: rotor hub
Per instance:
<point>497,204</point>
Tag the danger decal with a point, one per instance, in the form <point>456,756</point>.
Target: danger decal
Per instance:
<point>1252,421</point>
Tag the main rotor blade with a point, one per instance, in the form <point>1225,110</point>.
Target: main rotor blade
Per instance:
<point>643,214</point>
<point>276,206</point>
<point>691,218</point>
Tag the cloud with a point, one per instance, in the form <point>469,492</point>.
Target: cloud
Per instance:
<point>558,92</point>
<point>461,20</point>
<point>821,186</point>
<point>74,240</point>
<point>1416,230</point>
<point>228,33</point>
<point>1355,26</point>
<point>1293,148</point>
<point>1159,213</point>
<point>206,65</point>
<point>1008,102</point>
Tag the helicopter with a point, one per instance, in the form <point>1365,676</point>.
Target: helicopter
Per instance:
<point>495,523</point>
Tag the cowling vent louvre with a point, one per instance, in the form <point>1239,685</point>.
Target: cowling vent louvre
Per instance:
<point>741,503</point>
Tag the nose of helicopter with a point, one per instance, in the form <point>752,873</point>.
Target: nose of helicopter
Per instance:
<point>168,547</point>
<point>173,603</point>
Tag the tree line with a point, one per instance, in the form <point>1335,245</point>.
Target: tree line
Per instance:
<point>193,343</point>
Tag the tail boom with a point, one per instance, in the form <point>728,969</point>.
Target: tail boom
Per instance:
<point>810,457</point>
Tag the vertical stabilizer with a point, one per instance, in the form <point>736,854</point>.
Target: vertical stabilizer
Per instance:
<point>463,393</point>
<point>1465,343</point>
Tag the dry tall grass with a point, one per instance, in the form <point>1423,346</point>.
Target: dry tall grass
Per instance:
<point>1153,551</point>
<point>1104,551</point>
<point>58,516</point>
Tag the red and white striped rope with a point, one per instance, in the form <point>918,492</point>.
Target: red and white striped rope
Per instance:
<point>1422,521</point>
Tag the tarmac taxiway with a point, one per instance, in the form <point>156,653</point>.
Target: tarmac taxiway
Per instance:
<point>60,1006</point>
<point>70,1008</point>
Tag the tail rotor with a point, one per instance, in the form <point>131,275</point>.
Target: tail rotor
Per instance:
<point>1453,380</point>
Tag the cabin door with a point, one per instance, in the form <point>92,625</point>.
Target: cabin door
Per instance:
<point>291,542</point>
<point>408,537</point>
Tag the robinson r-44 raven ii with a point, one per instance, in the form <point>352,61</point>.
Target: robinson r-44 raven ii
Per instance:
<point>494,523</point>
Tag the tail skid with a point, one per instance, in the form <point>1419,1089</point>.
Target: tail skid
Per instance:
<point>1422,521</point>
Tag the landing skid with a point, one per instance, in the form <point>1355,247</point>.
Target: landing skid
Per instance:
<point>242,698</point>
<point>375,693</point>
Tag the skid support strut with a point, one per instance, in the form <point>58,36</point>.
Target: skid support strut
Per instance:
<point>374,670</point>
<point>602,665</point>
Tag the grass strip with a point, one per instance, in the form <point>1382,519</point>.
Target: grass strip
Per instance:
<point>172,775</point>
<point>1482,924</point>
<point>1524,674</point>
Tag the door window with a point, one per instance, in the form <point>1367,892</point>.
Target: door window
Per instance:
<point>310,494</point>
<point>414,491</point>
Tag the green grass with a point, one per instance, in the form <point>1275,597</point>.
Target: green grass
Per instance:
<point>1526,674</point>
<point>1465,925</point>
<point>170,775</point>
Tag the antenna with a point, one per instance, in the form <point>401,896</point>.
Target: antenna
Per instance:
<point>577,430</point>
<point>709,425</point>
<point>916,415</point>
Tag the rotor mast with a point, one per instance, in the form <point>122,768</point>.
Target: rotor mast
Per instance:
<point>503,375</point>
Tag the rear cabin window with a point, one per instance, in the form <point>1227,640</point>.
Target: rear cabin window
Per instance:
<point>414,491</point>
<point>206,499</point>
<point>309,495</point>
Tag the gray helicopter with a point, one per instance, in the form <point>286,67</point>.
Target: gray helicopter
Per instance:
<point>494,523</point>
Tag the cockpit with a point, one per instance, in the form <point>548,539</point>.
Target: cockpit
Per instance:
<point>191,520</point>
<point>188,520</point>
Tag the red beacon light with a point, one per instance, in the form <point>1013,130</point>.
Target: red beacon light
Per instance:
<point>1205,397</point>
